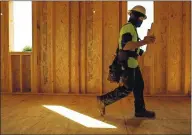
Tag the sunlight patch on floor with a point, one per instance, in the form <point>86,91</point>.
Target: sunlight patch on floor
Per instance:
<point>78,117</point>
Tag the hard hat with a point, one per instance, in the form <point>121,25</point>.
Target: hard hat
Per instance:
<point>139,9</point>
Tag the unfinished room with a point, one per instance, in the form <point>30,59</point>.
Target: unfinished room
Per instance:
<point>95,67</point>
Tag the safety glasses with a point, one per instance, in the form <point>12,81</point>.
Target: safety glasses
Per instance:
<point>141,18</point>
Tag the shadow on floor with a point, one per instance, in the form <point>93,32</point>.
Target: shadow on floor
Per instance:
<point>122,122</point>
<point>135,122</point>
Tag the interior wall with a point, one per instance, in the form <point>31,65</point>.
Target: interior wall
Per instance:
<point>74,43</point>
<point>166,64</point>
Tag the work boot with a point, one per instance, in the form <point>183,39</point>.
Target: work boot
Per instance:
<point>101,106</point>
<point>145,113</point>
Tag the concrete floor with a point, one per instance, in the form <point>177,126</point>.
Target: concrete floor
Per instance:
<point>25,114</point>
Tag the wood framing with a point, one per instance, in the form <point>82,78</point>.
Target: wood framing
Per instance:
<point>74,43</point>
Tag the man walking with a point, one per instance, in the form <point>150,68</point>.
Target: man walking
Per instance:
<point>128,52</point>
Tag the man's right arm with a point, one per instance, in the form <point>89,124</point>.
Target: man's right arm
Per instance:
<point>133,45</point>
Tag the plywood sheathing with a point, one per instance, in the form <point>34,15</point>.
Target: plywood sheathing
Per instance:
<point>72,50</point>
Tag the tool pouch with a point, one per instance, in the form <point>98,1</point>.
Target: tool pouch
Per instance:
<point>115,71</point>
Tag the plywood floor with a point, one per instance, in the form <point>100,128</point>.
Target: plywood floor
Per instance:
<point>24,114</point>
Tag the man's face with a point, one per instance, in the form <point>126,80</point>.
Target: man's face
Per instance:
<point>139,21</point>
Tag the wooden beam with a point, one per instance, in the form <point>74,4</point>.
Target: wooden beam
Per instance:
<point>21,73</point>
<point>15,73</point>
<point>122,13</point>
<point>31,73</point>
<point>83,44</point>
<point>35,27</point>
<point>21,53</point>
<point>53,46</point>
<point>50,37</point>
<point>74,47</point>
<point>11,27</point>
<point>89,95</point>
<point>26,73</point>
<point>186,47</point>
<point>0,43</point>
<point>10,75</point>
<point>5,60</point>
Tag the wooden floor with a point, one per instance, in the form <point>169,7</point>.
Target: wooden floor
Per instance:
<point>25,114</point>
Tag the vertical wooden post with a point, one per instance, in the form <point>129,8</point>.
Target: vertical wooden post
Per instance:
<point>34,77</point>
<point>74,47</point>
<point>31,67</point>
<point>122,13</point>
<point>50,42</point>
<point>21,74</point>
<point>10,75</point>
<point>5,78</point>
<point>186,47</point>
<point>83,43</point>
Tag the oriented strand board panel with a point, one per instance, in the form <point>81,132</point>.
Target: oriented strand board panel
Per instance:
<point>26,73</point>
<point>15,68</point>
<point>94,47</point>
<point>160,62</point>
<point>110,40</point>
<point>61,56</point>
<point>174,47</point>
<point>46,48</point>
<point>74,47</point>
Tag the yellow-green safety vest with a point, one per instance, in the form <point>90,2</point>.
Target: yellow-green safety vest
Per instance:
<point>129,28</point>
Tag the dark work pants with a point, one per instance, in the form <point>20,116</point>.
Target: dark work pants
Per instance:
<point>134,83</point>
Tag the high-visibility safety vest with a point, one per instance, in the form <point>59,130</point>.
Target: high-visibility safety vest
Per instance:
<point>129,28</point>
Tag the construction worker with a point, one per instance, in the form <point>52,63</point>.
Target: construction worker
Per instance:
<point>128,52</point>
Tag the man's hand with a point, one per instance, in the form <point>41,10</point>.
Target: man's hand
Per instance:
<point>149,39</point>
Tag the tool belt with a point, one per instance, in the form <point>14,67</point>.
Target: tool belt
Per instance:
<point>119,64</point>
<point>123,55</point>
